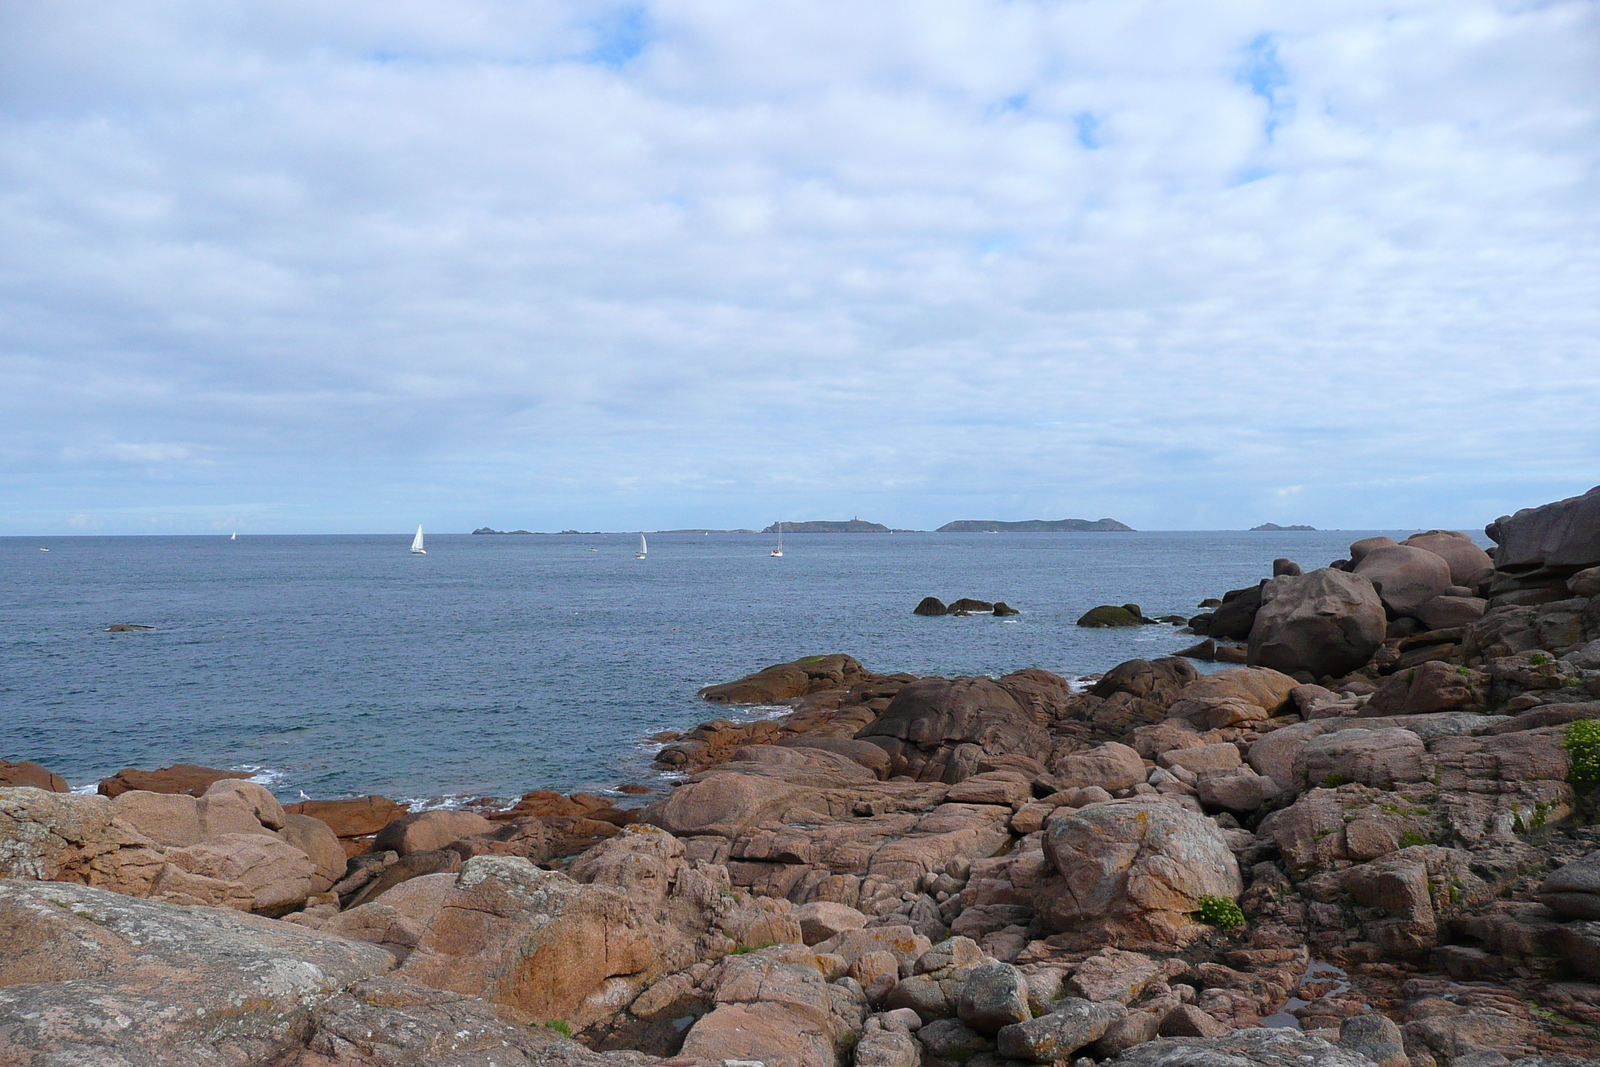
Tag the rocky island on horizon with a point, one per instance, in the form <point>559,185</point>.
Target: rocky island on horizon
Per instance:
<point>1272,526</point>
<point>1374,844</point>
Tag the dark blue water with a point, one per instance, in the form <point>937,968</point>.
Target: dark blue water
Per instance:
<point>494,665</point>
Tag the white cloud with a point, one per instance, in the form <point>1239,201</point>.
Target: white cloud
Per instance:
<point>686,263</point>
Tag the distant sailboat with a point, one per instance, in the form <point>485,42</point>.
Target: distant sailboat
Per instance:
<point>416,544</point>
<point>235,536</point>
<point>643,548</point>
<point>779,550</point>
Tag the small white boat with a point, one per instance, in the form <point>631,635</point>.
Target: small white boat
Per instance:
<point>778,552</point>
<point>235,536</point>
<point>643,548</point>
<point>416,544</point>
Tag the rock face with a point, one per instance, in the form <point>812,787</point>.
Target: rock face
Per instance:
<point>1327,622</point>
<point>1573,892</point>
<point>90,974</point>
<point>359,817</point>
<point>1236,695</point>
<point>785,680</point>
<point>931,717</point>
<point>1560,538</point>
<point>1140,865</point>
<point>1243,1048</point>
<point>1406,577</point>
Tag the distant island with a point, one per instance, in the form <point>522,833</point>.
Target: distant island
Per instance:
<point>704,530</point>
<point>486,530</point>
<point>823,526</point>
<point>1036,526</point>
<point>1271,526</point>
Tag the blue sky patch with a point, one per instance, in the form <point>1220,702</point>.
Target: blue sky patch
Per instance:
<point>1088,130</point>
<point>620,37</point>
<point>1266,78</point>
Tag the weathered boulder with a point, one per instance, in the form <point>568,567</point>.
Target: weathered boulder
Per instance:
<point>277,875</point>
<point>1469,564</point>
<point>883,1045</point>
<point>1236,615</point>
<point>1585,583</point>
<point>1379,758</point>
<point>1405,577</point>
<point>1235,695</point>
<point>870,756</point>
<point>412,865</point>
<point>1573,891</point>
<point>822,919</point>
<point>1255,1047</point>
<point>928,718</point>
<point>248,796</point>
<point>930,605</point>
<point>1110,766</point>
<point>178,778</point>
<point>1140,865</point>
<point>95,976</point>
<point>1426,688</point>
<point>318,842</point>
<point>1448,612</point>
<point>170,820</point>
<point>1053,1038</point>
<point>26,772</point>
<point>1113,974</point>
<point>993,995</point>
<point>425,831</point>
<point>1327,622</point>
<point>71,838</point>
<point>533,941</point>
<point>1376,1037</point>
<point>1158,679</point>
<point>1240,791</point>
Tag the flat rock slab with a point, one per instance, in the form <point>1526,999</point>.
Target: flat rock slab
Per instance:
<point>144,981</point>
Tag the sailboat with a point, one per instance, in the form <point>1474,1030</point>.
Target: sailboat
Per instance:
<point>643,548</point>
<point>235,536</point>
<point>416,544</point>
<point>779,550</point>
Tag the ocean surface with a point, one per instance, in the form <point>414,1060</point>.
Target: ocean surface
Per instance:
<point>344,665</point>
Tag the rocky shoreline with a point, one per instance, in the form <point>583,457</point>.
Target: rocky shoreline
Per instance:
<point>1377,829</point>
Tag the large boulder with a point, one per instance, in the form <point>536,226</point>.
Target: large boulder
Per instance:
<point>535,942</point>
<point>1232,696</point>
<point>1379,758</point>
<point>1111,766</point>
<point>1140,865</point>
<point>932,716</point>
<point>782,681</point>
<point>1071,1024</point>
<point>1237,614</point>
<point>1448,612</point>
<point>1469,564</point>
<point>1556,539</point>
<point>318,842</point>
<point>91,976</point>
<point>1428,687</point>
<point>1573,891</point>
<point>1406,578</point>
<point>277,875</point>
<point>426,831</point>
<point>356,817</point>
<point>1327,622</point>
<point>1158,679</point>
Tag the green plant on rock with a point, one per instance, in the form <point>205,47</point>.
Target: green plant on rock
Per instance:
<point>1411,837</point>
<point>1583,749</point>
<point>1333,781</point>
<point>1538,659</point>
<point>1220,911</point>
<point>559,1026</point>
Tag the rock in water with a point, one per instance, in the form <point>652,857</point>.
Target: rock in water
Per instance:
<point>26,772</point>
<point>178,778</point>
<point>930,605</point>
<point>1327,622</point>
<point>1108,615</point>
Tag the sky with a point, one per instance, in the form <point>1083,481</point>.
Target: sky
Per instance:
<point>309,267</point>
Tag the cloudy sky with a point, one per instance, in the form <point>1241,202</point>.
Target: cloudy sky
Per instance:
<point>313,267</point>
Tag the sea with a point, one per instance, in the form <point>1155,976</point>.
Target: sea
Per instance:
<point>332,666</point>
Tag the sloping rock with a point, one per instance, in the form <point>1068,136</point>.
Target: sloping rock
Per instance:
<point>1327,622</point>
<point>1111,766</point>
<point>276,875</point>
<point>1053,1038</point>
<point>783,681</point>
<point>26,772</point>
<point>357,817</point>
<point>1276,1047</point>
<point>1405,577</point>
<point>1158,679</point>
<point>1560,538</point>
<point>1445,612</point>
<point>68,837</point>
<point>932,717</point>
<point>1429,687</point>
<point>178,778</point>
<point>1379,758</point>
<point>318,842</point>
<point>94,976</point>
<point>1140,865</point>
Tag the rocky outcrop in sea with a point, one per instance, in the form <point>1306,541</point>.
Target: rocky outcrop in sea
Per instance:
<point>1370,844</point>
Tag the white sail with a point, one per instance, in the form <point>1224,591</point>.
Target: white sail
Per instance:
<point>235,537</point>
<point>779,550</point>
<point>643,548</point>
<point>416,543</point>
